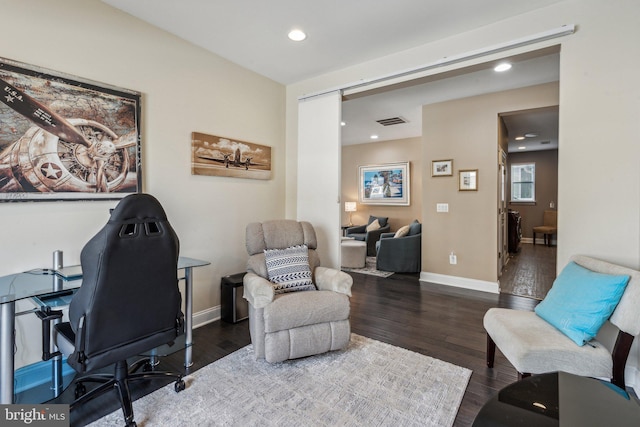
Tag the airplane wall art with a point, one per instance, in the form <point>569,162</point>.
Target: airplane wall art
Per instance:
<point>63,137</point>
<point>220,156</point>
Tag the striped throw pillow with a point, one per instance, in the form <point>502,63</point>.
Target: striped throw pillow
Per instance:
<point>288,269</point>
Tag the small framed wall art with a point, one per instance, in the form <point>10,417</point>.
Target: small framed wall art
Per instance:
<point>442,168</point>
<point>468,180</point>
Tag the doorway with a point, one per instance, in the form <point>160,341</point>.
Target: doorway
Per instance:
<point>533,147</point>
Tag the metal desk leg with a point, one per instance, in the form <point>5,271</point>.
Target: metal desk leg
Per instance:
<point>7,341</point>
<point>188,305</point>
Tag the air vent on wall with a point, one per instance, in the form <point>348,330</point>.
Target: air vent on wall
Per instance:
<point>391,121</point>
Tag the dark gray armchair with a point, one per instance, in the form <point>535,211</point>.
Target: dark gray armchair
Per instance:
<point>400,254</point>
<point>359,232</point>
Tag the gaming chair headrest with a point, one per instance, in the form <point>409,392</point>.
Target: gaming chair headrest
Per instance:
<point>138,206</point>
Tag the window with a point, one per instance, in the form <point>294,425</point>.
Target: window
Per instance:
<point>523,182</point>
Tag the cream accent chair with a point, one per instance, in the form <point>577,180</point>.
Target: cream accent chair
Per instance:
<point>534,346</point>
<point>294,324</point>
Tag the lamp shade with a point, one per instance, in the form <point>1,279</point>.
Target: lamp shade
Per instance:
<point>350,206</point>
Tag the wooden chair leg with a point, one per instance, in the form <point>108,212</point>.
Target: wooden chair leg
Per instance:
<point>491,352</point>
<point>522,375</point>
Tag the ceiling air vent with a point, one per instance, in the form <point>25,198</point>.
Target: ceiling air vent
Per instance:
<point>545,142</point>
<point>392,121</point>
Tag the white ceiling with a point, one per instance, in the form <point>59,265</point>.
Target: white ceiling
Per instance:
<point>253,34</point>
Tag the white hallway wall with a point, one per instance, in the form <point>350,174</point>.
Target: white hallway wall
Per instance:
<point>184,89</point>
<point>599,104</point>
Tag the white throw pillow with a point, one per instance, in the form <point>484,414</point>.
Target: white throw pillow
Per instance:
<point>375,225</point>
<point>289,269</point>
<point>402,231</point>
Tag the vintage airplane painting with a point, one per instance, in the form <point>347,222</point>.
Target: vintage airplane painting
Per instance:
<point>65,138</point>
<point>220,156</point>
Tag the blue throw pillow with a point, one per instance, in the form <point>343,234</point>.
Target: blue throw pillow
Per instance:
<point>415,228</point>
<point>580,301</point>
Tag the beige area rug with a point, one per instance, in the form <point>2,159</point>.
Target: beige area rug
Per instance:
<point>368,384</point>
<point>369,268</point>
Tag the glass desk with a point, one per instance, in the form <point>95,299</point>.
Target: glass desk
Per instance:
<point>44,282</point>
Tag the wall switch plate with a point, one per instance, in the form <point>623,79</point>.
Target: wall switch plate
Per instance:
<point>442,207</point>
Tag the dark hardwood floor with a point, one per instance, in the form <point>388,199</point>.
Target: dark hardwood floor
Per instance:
<point>438,321</point>
<point>530,272</point>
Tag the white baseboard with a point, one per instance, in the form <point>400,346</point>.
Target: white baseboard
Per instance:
<point>539,241</point>
<point>460,282</point>
<point>204,317</point>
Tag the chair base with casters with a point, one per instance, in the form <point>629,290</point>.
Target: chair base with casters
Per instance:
<point>119,381</point>
<point>123,375</point>
<point>534,346</point>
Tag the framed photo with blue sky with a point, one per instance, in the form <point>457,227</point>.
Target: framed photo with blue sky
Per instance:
<point>384,184</point>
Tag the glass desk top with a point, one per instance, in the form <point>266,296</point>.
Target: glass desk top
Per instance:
<point>43,281</point>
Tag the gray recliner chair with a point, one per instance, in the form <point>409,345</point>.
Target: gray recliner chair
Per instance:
<point>289,325</point>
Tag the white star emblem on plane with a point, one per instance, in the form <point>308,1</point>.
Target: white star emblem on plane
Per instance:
<point>9,98</point>
<point>51,171</point>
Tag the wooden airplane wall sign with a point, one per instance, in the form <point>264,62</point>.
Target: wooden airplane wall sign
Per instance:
<point>220,156</point>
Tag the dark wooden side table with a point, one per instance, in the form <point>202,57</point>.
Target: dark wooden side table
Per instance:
<point>560,399</point>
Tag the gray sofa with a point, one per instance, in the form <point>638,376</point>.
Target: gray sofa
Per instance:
<point>359,232</point>
<point>294,324</point>
<point>400,254</point>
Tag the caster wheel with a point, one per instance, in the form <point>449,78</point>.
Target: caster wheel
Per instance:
<point>80,391</point>
<point>147,367</point>
<point>180,385</point>
<point>132,424</point>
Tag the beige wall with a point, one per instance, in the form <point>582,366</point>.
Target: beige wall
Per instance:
<point>375,153</point>
<point>184,89</point>
<point>546,188</point>
<point>466,131</point>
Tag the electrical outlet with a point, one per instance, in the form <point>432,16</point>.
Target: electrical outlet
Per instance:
<point>453,259</point>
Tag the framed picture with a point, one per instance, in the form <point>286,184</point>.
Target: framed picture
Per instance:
<point>66,138</point>
<point>386,184</point>
<point>468,180</point>
<point>442,168</point>
<point>220,156</point>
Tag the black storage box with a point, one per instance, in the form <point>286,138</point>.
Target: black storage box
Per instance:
<point>234,307</point>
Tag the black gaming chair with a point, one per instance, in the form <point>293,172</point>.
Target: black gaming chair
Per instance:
<point>129,301</point>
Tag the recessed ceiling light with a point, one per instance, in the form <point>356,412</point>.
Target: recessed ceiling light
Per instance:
<point>343,123</point>
<point>297,35</point>
<point>522,147</point>
<point>519,138</point>
<point>504,66</point>
<point>531,135</point>
<point>374,136</point>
